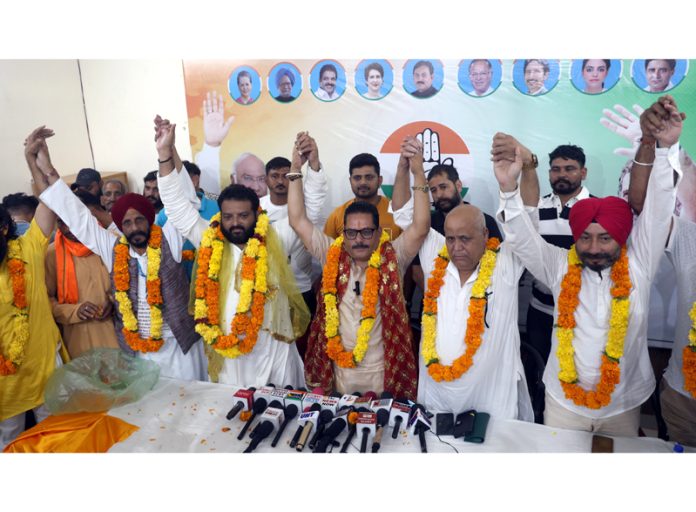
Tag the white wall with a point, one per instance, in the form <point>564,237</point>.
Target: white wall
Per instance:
<point>121,97</point>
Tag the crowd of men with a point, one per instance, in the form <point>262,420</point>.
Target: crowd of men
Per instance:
<point>225,290</point>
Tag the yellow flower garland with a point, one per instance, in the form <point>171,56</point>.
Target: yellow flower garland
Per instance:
<point>249,314</point>
<point>15,350</point>
<point>475,324</point>
<point>154,293</point>
<point>334,346</point>
<point>610,371</point>
<point>689,356</point>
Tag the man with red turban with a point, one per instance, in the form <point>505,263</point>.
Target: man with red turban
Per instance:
<point>149,283</point>
<point>599,371</point>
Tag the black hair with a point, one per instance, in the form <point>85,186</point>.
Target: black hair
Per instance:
<point>421,63</point>
<point>191,168</point>
<point>376,66</point>
<point>6,221</point>
<point>327,67</point>
<point>150,176</point>
<point>569,152</point>
<point>236,192</point>
<point>449,170</point>
<point>670,62</point>
<point>20,202</point>
<point>362,160</point>
<point>361,207</point>
<point>278,162</point>
<point>544,64</point>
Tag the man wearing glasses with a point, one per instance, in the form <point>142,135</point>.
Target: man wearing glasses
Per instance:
<point>360,338</point>
<point>365,181</point>
<point>480,74</point>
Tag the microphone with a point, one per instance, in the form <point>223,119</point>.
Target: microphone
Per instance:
<point>274,405</point>
<point>366,422</point>
<point>352,422</point>
<point>245,399</point>
<point>325,418</point>
<point>290,413</point>
<point>258,407</point>
<point>357,288</point>
<point>382,420</point>
<point>365,400</point>
<point>330,435</point>
<point>260,433</point>
<point>308,420</point>
<point>400,412</point>
<point>348,400</point>
<point>420,423</point>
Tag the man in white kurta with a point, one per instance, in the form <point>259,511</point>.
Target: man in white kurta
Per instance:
<point>171,359</point>
<point>550,264</point>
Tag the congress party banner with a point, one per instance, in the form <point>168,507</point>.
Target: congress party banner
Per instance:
<point>353,106</point>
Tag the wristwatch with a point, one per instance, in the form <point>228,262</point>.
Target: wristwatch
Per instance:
<point>532,165</point>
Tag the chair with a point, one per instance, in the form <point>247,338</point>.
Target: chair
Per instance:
<point>534,372</point>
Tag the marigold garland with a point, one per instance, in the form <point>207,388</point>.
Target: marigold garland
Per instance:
<point>154,292</point>
<point>20,331</point>
<point>610,371</point>
<point>689,356</point>
<point>370,296</point>
<point>475,325</point>
<point>188,255</point>
<point>249,314</point>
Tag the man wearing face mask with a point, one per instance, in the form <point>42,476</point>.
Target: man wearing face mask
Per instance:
<point>246,303</point>
<point>567,171</point>
<point>149,282</point>
<point>599,371</point>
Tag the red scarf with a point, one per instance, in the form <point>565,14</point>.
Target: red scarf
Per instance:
<point>65,267</point>
<point>400,373</point>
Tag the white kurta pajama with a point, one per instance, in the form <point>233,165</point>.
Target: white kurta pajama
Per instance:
<point>549,264</point>
<point>172,361</point>
<point>270,360</point>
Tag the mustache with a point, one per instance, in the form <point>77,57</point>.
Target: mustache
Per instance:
<point>589,255</point>
<point>361,246</point>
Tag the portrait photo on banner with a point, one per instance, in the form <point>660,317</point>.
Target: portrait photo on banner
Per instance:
<point>374,78</point>
<point>285,82</point>
<point>535,77</point>
<point>479,77</point>
<point>327,80</point>
<point>244,85</point>
<point>658,75</point>
<point>595,76</point>
<point>423,78</point>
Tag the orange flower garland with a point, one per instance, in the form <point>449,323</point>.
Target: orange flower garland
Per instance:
<point>334,345</point>
<point>475,325</point>
<point>610,371</point>
<point>154,293</point>
<point>188,255</point>
<point>15,349</point>
<point>689,356</point>
<point>248,318</point>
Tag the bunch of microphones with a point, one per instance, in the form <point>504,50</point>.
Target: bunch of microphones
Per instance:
<point>323,418</point>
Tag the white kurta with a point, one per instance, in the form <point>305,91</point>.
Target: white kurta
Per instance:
<point>172,361</point>
<point>270,360</point>
<point>495,383</point>
<point>549,264</point>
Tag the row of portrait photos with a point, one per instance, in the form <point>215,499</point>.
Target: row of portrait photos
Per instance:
<point>424,78</point>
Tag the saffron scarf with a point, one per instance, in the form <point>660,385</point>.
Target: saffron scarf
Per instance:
<point>65,267</point>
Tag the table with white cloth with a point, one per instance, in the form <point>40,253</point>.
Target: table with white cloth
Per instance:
<point>181,416</point>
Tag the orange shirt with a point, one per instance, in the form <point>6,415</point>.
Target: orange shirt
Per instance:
<point>334,224</point>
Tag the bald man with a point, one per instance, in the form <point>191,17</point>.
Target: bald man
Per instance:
<point>250,171</point>
<point>470,345</point>
<point>599,371</point>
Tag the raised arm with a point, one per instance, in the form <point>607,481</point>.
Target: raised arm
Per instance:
<point>401,192</point>
<point>36,154</point>
<point>315,181</point>
<point>418,230</point>
<point>504,149</point>
<point>297,214</point>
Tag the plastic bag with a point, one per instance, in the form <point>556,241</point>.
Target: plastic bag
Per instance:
<point>99,380</point>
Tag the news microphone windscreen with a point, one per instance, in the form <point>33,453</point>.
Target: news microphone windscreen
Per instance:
<point>315,407</point>
<point>385,395</point>
<point>371,395</point>
<point>382,417</point>
<point>276,404</point>
<point>336,394</point>
<point>318,391</point>
<point>325,416</point>
<point>291,411</point>
<point>289,387</point>
<point>270,385</point>
<point>259,406</point>
<point>356,393</point>
<point>263,430</point>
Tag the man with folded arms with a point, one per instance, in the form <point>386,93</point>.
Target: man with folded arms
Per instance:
<point>599,372</point>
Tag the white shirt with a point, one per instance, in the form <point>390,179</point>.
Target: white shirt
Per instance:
<point>315,187</point>
<point>495,383</point>
<point>550,264</point>
<point>323,95</point>
<point>484,93</point>
<point>681,251</point>
<point>171,359</point>
<point>208,160</point>
<point>270,360</point>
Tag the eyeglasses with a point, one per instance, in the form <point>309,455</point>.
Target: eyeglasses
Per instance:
<point>250,179</point>
<point>365,233</point>
<point>479,75</point>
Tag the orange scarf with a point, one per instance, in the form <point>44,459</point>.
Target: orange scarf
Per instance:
<point>65,267</point>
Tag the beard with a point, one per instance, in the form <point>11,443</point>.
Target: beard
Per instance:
<point>156,202</point>
<point>605,260</point>
<point>139,245</point>
<point>447,204</point>
<point>563,186</point>
<point>365,193</point>
<point>234,236</point>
